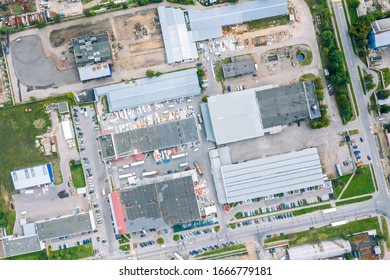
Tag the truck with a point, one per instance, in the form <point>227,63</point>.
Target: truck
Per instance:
<point>183,164</point>
<point>178,256</point>
<point>339,223</point>
<point>151,173</point>
<point>137,163</point>
<point>126,175</point>
<point>198,168</point>
<point>330,210</point>
<point>179,155</point>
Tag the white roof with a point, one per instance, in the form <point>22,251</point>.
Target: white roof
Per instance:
<point>235,116</point>
<point>68,130</point>
<point>321,250</point>
<point>95,71</point>
<point>32,176</point>
<point>210,209</point>
<point>272,175</point>
<point>178,46</point>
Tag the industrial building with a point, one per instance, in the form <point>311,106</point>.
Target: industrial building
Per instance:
<point>238,68</point>
<point>379,36</point>
<point>147,139</point>
<point>65,226</point>
<point>258,111</point>
<point>92,55</point>
<point>36,176</point>
<point>14,246</point>
<point>320,251</point>
<point>264,176</point>
<point>170,86</point>
<point>154,203</point>
<point>182,29</point>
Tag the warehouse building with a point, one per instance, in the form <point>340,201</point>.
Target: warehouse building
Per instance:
<point>238,68</point>
<point>36,176</point>
<point>264,176</point>
<point>65,226</point>
<point>92,55</point>
<point>379,37</point>
<point>14,246</point>
<point>154,203</point>
<point>184,28</point>
<point>179,84</point>
<point>147,139</point>
<point>263,110</point>
<point>320,251</point>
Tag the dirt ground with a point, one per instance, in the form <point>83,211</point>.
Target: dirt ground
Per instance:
<point>251,247</point>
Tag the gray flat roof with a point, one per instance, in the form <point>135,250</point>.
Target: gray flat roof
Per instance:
<point>207,122</point>
<point>19,245</point>
<point>178,46</point>
<point>283,105</point>
<point>32,176</point>
<point>238,68</point>
<point>67,225</point>
<point>319,251</point>
<point>272,175</point>
<point>235,116</point>
<point>63,107</point>
<point>169,202</point>
<point>141,140</point>
<point>381,25</point>
<point>168,86</point>
<point>209,22</point>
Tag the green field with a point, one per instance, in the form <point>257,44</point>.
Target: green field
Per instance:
<point>77,174</point>
<point>360,184</point>
<point>72,253</point>
<point>40,255</point>
<point>339,184</point>
<point>328,232</point>
<point>18,150</point>
<point>354,200</point>
<point>268,22</point>
<point>311,209</point>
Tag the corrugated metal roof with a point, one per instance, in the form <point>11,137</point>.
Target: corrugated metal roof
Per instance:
<point>95,71</point>
<point>319,251</point>
<point>32,176</point>
<point>178,46</point>
<point>382,39</point>
<point>235,116</point>
<point>272,175</point>
<point>207,122</point>
<point>168,86</point>
<point>236,14</point>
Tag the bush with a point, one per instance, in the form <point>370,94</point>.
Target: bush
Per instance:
<point>40,23</point>
<point>160,241</point>
<point>204,98</point>
<point>176,237</point>
<point>384,109</point>
<point>383,94</point>
<point>89,12</point>
<point>149,73</point>
<point>57,18</point>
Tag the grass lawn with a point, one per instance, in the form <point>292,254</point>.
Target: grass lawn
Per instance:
<point>328,232</point>
<point>239,215</point>
<point>217,229</point>
<point>353,132</point>
<point>308,57</point>
<point>233,225</point>
<point>307,77</point>
<point>7,217</point>
<point>176,237</point>
<point>160,240</point>
<point>361,183</point>
<point>77,174</point>
<point>339,184</point>
<point>386,76</point>
<point>362,80</point>
<point>18,150</point>
<point>265,23</point>
<point>354,200</point>
<point>125,247</point>
<point>123,239</point>
<point>40,255</point>
<point>72,253</point>
<point>218,72</point>
<point>311,209</point>
<point>222,250</point>
<point>385,229</point>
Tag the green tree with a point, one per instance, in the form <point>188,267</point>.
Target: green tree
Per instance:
<point>327,37</point>
<point>368,78</point>
<point>384,109</point>
<point>354,4</point>
<point>318,83</point>
<point>149,73</point>
<point>383,94</point>
<point>370,85</point>
<point>125,6</point>
<point>57,18</point>
<point>204,98</point>
<point>362,26</point>
<point>40,23</point>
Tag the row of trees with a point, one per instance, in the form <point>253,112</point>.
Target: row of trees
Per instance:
<point>324,120</point>
<point>151,73</point>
